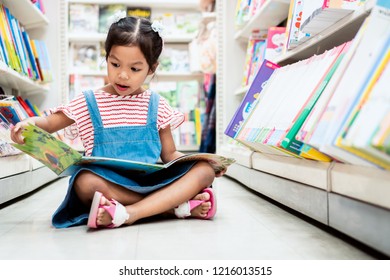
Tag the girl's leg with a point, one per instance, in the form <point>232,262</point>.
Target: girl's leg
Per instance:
<point>87,183</point>
<point>198,178</point>
<point>138,206</point>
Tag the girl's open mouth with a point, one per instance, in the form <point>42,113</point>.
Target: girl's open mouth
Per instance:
<point>121,87</point>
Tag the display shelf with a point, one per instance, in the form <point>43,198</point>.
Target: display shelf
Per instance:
<point>309,172</point>
<point>98,37</point>
<point>16,172</point>
<point>242,155</point>
<point>12,79</point>
<point>271,13</point>
<point>364,222</point>
<point>342,31</point>
<point>354,200</point>
<point>12,165</point>
<point>370,185</point>
<point>27,13</point>
<point>308,200</point>
<point>13,186</point>
<point>168,4</point>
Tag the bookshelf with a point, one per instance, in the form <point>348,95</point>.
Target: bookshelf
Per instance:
<point>352,199</point>
<point>178,41</point>
<point>20,174</point>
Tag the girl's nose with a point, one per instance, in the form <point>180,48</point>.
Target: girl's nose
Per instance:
<point>123,75</point>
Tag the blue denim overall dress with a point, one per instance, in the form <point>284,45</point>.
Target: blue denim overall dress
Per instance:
<point>138,143</point>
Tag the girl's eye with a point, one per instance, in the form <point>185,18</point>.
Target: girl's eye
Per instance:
<point>115,64</point>
<point>135,69</point>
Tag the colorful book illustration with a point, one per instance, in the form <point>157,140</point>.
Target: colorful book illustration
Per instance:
<point>276,39</point>
<point>64,160</point>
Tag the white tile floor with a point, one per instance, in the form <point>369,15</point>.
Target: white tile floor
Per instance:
<point>246,227</point>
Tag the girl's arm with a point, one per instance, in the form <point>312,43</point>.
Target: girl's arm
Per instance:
<point>168,151</point>
<point>51,123</point>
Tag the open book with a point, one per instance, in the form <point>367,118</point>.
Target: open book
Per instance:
<point>63,159</point>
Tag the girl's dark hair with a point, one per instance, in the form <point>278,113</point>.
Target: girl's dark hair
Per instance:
<point>134,31</point>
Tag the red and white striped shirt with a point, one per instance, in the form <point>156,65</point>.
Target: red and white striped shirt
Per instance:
<point>115,111</point>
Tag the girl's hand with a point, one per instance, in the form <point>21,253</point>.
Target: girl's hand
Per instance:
<point>16,131</point>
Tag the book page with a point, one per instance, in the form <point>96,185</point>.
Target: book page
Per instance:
<point>219,163</point>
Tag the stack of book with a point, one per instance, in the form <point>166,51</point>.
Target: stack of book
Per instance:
<point>19,52</point>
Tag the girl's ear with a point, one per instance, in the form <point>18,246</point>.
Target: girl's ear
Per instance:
<point>153,69</point>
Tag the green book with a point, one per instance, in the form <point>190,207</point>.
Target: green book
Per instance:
<point>289,142</point>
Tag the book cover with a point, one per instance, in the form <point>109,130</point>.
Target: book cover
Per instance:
<point>14,28</point>
<point>145,12</point>
<point>295,34</point>
<point>106,15</point>
<point>325,13</point>
<point>14,62</point>
<point>9,113</point>
<point>254,53</point>
<point>264,73</point>
<point>63,160</point>
<point>83,18</point>
<point>6,149</point>
<point>257,59</point>
<point>23,103</point>
<point>276,38</point>
<point>84,56</point>
<point>34,67</point>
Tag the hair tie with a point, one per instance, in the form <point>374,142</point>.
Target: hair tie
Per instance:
<point>158,27</point>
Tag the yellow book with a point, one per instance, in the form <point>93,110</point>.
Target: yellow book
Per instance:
<point>8,40</point>
<point>198,126</point>
<point>311,153</point>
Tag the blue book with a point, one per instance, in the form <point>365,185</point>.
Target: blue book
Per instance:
<point>31,56</point>
<point>265,71</point>
<point>10,114</point>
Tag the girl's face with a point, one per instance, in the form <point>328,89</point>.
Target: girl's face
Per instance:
<point>127,70</point>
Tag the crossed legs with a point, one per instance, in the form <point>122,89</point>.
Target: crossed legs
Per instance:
<point>140,206</point>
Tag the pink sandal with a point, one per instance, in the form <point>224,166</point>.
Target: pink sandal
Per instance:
<point>184,209</point>
<point>116,210</point>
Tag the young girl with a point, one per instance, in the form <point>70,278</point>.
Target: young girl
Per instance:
<point>125,121</point>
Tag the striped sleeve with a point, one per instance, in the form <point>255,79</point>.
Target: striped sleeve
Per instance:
<point>168,116</point>
<point>77,111</point>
